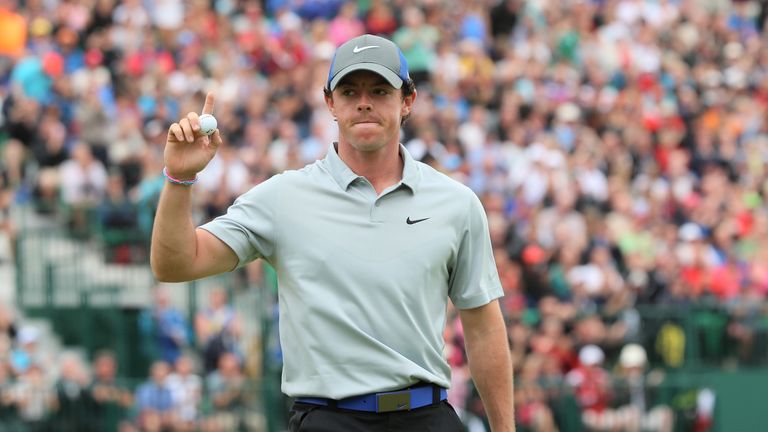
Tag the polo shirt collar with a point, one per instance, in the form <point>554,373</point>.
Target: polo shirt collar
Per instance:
<point>345,176</point>
<point>410,170</point>
<point>338,169</point>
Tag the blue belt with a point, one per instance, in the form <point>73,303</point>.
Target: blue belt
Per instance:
<point>401,400</point>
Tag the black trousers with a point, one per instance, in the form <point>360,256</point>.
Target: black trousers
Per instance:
<point>439,417</point>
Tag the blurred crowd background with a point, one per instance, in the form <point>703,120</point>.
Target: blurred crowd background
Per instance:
<point>619,148</point>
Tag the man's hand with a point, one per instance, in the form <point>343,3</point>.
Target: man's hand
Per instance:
<point>187,149</point>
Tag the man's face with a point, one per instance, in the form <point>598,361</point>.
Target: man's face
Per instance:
<point>368,110</point>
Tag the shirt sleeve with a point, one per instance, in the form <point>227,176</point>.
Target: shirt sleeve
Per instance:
<point>248,227</point>
<point>474,280</point>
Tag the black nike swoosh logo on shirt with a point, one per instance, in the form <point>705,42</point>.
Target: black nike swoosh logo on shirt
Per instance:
<point>410,221</point>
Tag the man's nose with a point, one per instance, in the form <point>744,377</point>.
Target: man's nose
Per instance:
<point>364,104</point>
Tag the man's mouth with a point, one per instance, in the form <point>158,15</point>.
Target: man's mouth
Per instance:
<point>366,122</point>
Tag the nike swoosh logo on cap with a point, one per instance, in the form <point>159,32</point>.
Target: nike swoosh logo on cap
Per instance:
<point>357,49</point>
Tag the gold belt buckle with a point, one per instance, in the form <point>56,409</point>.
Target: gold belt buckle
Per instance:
<point>393,401</point>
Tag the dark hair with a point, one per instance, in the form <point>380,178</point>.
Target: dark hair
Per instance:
<point>408,88</point>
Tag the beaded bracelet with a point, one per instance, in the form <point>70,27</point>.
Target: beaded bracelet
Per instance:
<point>174,180</point>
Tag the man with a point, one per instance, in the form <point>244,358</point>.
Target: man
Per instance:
<point>637,390</point>
<point>112,396</point>
<point>368,245</point>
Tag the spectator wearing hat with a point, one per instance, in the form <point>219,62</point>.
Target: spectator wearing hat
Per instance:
<point>27,351</point>
<point>534,277</point>
<point>635,391</point>
<point>591,384</point>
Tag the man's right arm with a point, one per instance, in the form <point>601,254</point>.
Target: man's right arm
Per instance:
<point>179,251</point>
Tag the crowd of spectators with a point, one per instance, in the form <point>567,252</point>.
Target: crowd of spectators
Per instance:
<point>618,146</point>
<point>43,388</point>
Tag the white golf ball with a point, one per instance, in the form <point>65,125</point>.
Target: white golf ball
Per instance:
<point>208,124</point>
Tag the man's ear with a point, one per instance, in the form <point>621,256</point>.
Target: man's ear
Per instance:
<point>408,103</point>
<point>329,103</point>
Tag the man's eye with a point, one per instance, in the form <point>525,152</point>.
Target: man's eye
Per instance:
<point>348,92</point>
<point>381,92</point>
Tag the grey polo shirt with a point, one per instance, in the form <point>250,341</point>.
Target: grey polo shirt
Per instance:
<point>364,279</point>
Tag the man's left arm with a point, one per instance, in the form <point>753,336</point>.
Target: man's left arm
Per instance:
<point>490,363</point>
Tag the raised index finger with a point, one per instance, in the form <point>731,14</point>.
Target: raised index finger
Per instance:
<point>208,106</point>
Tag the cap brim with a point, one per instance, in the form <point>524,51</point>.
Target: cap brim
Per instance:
<point>385,72</point>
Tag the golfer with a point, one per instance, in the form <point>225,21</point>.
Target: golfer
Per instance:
<point>368,245</point>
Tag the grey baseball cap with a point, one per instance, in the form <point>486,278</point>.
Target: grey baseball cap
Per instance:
<point>369,52</point>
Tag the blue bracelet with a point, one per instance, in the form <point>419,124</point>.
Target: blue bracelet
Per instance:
<point>174,180</point>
